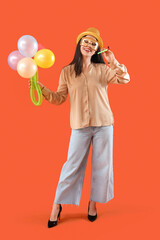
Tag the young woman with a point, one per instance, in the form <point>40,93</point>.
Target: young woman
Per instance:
<point>86,80</point>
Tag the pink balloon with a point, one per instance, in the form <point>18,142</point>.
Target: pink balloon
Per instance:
<point>40,46</point>
<point>14,58</point>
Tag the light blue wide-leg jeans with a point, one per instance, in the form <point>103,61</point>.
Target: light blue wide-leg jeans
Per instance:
<point>71,179</point>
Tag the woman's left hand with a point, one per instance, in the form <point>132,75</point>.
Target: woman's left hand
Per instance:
<point>109,56</point>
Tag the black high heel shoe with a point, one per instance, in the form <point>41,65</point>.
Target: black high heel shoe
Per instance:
<point>91,217</point>
<point>54,223</point>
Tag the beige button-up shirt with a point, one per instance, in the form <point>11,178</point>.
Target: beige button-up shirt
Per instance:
<point>89,104</point>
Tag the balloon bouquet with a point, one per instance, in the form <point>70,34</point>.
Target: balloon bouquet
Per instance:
<point>21,61</point>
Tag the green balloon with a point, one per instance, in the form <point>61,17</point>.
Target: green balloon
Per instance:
<point>35,86</point>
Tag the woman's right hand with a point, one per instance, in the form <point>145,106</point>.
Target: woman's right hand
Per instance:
<point>30,84</point>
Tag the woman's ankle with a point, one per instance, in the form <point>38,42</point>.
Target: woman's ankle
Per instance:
<point>93,203</point>
<point>57,205</point>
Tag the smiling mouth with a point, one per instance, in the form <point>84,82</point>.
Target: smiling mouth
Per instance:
<point>87,50</point>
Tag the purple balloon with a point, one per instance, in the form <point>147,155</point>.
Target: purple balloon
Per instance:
<point>27,46</point>
<point>14,58</point>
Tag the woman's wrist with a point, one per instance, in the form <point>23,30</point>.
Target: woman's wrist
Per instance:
<point>41,85</point>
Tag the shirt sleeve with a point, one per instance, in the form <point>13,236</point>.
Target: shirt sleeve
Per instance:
<point>60,95</point>
<point>116,73</point>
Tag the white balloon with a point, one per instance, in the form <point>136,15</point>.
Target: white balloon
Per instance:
<point>27,46</point>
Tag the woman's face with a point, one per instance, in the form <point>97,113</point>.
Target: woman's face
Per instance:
<point>87,50</point>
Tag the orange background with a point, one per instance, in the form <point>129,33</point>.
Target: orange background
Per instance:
<point>35,140</point>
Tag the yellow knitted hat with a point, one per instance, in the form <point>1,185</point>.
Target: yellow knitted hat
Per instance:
<point>93,32</point>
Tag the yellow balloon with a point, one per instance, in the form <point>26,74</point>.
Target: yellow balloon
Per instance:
<point>27,67</point>
<point>44,58</point>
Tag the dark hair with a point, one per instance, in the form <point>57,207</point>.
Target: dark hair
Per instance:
<point>96,58</point>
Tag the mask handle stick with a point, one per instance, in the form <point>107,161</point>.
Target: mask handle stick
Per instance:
<point>104,50</point>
